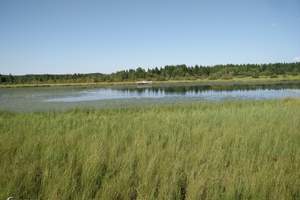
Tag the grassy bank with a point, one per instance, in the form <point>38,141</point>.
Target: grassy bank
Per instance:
<point>235,80</point>
<point>230,150</point>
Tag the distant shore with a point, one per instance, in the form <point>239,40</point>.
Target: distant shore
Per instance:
<point>233,81</point>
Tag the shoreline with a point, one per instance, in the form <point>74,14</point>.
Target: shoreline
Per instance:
<point>233,81</point>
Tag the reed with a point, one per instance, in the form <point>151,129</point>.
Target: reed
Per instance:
<point>224,150</point>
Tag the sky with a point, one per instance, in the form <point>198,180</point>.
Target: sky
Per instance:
<point>85,36</point>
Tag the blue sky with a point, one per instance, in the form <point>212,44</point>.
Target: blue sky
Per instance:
<point>72,36</point>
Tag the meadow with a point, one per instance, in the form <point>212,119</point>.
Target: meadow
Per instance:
<point>208,150</point>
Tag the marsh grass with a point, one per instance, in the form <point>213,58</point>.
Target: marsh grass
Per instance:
<point>229,150</point>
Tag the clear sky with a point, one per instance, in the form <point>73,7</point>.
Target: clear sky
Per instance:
<point>81,36</point>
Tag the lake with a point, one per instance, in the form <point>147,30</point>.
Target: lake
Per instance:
<point>60,98</point>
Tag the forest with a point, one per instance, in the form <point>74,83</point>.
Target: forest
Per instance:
<point>169,72</point>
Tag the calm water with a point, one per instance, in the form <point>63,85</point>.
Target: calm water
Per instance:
<point>41,99</point>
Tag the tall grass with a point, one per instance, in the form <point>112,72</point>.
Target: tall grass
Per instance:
<point>229,150</point>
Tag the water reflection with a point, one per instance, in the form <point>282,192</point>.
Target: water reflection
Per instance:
<point>182,90</point>
<point>201,92</point>
<point>60,98</point>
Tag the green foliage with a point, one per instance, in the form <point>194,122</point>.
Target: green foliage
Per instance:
<point>169,72</point>
<point>229,150</point>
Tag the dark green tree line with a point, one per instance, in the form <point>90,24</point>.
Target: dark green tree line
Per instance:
<point>169,72</point>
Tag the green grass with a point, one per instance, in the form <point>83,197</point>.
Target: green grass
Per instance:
<point>206,81</point>
<point>229,150</point>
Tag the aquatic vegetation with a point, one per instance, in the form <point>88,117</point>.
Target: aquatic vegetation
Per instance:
<point>224,150</point>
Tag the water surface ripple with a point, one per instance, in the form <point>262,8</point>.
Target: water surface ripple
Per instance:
<point>41,99</point>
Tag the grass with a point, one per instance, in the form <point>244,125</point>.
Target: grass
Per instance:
<point>206,81</point>
<point>228,150</point>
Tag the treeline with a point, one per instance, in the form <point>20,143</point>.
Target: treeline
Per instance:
<point>169,72</point>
